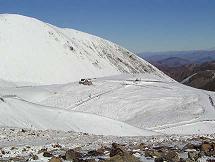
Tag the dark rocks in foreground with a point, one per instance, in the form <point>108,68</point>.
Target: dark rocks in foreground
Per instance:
<point>194,150</point>
<point>173,150</point>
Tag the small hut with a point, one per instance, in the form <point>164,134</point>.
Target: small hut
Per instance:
<point>86,82</point>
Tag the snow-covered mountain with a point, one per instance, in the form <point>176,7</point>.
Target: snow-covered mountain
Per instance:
<point>36,52</point>
<point>128,96</point>
<point>119,105</point>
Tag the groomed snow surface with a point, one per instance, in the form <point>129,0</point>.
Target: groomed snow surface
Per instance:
<point>41,65</point>
<point>129,105</point>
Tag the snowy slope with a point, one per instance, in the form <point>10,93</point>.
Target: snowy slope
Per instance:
<point>15,112</point>
<point>149,104</point>
<point>36,52</point>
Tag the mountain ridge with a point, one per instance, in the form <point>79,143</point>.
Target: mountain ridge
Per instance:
<point>37,52</point>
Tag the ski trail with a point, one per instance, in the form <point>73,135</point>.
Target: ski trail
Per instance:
<point>93,97</point>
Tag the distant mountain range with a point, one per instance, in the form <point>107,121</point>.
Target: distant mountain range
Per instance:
<point>193,68</point>
<point>178,58</point>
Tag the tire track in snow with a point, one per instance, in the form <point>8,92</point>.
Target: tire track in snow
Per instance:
<point>15,97</point>
<point>72,107</point>
<point>211,101</point>
<point>93,97</point>
<point>181,124</point>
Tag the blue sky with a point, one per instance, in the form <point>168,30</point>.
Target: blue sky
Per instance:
<point>139,25</point>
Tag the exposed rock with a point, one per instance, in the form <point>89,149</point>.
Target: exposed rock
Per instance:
<point>55,159</point>
<point>168,155</point>
<point>154,153</point>
<point>42,150</point>
<point>116,150</point>
<point>18,159</point>
<point>56,146</point>
<point>99,152</point>
<point>24,149</point>
<point>141,146</point>
<point>23,130</point>
<point>192,146</point>
<point>35,157</point>
<point>87,160</point>
<point>210,160</point>
<point>182,160</point>
<point>72,155</point>
<point>208,148</point>
<point>149,153</point>
<point>3,152</point>
<point>189,160</point>
<point>158,160</point>
<point>124,158</point>
<point>77,149</point>
<point>47,154</point>
<point>193,155</point>
<point>13,148</point>
<point>118,154</point>
<point>59,153</point>
<point>172,156</point>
